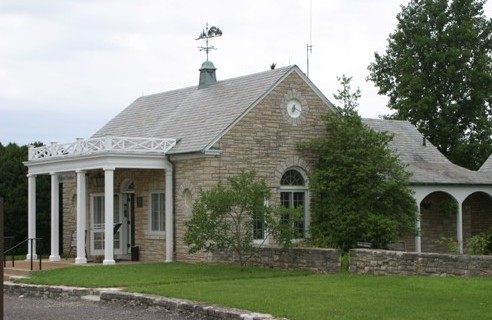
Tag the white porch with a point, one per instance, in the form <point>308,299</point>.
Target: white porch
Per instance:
<point>459,193</point>
<point>106,154</point>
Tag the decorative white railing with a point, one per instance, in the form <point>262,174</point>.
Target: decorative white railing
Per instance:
<point>99,145</point>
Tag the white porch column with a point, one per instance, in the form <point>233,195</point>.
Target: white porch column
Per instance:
<point>81,217</point>
<point>108,216</point>
<point>55,218</point>
<point>31,215</point>
<point>459,225</point>
<point>418,238</point>
<point>169,216</point>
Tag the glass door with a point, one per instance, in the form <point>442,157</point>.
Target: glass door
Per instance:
<point>97,225</point>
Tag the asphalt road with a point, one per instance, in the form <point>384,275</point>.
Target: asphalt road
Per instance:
<point>28,308</point>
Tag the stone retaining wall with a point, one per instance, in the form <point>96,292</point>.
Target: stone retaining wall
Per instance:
<point>200,310</point>
<point>51,292</point>
<point>317,260</point>
<point>382,262</point>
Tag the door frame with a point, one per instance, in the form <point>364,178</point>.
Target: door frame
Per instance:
<point>100,227</point>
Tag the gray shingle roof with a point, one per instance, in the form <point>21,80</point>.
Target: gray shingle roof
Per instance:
<point>196,116</point>
<point>487,165</point>
<point>426,163</point>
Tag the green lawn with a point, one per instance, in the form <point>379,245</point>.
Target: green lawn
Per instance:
<point>294,295</point>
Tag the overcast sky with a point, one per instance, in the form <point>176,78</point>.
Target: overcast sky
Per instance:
<point>67,67</point>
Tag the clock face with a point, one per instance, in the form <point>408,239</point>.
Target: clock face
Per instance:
<point>294,108</point>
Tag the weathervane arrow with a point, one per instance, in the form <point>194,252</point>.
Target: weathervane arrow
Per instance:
<point>206,35</point>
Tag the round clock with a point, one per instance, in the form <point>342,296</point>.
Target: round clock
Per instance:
<point>294,108</point>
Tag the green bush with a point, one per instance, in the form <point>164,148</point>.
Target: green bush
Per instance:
<point>478,244</point>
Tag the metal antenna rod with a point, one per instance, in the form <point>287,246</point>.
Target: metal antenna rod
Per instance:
<point>309,47</point>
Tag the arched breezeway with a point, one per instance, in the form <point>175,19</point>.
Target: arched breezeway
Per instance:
<point>453,212</point>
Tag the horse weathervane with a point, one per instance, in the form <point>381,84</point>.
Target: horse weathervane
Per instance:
<point>206,35</point>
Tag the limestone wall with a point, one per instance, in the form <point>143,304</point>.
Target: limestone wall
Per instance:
<point>309,259</point>
<point>264,140</point>
<point>69,201</point>
<point>381,262</point>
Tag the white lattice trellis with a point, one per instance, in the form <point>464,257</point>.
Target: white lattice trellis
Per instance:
<point>104,144</point>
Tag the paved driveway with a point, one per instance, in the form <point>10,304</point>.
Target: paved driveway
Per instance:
<point>27,308</point>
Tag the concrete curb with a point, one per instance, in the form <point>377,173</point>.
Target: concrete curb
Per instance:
<point>201,310</point>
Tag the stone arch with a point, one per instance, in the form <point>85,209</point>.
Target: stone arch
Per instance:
<point>293,163</point>
<point>127,186</point>
<point>477,214</point>
<point>438,221</point>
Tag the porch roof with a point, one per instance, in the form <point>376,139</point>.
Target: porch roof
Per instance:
<point>105,152</point>
<point>426,164</point>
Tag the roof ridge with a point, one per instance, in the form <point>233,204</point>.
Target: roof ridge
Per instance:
<point>279,70</point>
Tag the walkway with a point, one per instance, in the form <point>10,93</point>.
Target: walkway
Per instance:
<point>28,308</point>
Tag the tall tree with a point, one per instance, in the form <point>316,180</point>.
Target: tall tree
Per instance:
<point>360,188</point>
<point>13,188</point>
<point>437,72</point>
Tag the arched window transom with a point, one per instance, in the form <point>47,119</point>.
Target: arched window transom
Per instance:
<point>292,178</point>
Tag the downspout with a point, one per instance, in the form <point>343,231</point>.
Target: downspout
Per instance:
<point>168,157</point>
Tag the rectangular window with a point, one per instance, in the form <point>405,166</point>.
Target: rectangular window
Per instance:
<point>259,225</point>
<point>157,212</point>
<point>294,199</point>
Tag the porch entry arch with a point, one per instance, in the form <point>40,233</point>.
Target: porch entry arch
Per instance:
<point>457,192</point>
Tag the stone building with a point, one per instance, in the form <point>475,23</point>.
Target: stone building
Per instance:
<point>147,164</point>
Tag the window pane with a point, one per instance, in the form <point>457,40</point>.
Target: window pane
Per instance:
<point>161,212</point>
<point>292,199</point>
<point>298,199</point>
<point>116,209</point>
<point>292,178</point>
<point>285,199</point>
<point>258,227</point>
<point>99,210</point>
<point>99,240</point>
<point>157,211</point>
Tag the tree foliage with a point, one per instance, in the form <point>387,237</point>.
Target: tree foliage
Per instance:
<point>13,188</point>
<point>360,188</point>
<point>437,72</point>
<point>228,216</point>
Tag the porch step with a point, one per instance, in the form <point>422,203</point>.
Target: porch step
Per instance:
<point>123,257</point>
<point>22,268</point>
<point>10,273</point>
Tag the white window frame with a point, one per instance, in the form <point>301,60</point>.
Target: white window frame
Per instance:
<point>266,234</point>
<point>295,189</point>
<point>150,216</point>
<point>305,189</point>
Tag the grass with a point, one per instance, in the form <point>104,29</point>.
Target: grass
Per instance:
<point>149,274</point>
<point>294,295</point>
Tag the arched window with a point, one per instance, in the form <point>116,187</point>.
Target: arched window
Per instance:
<point>293,194</point>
